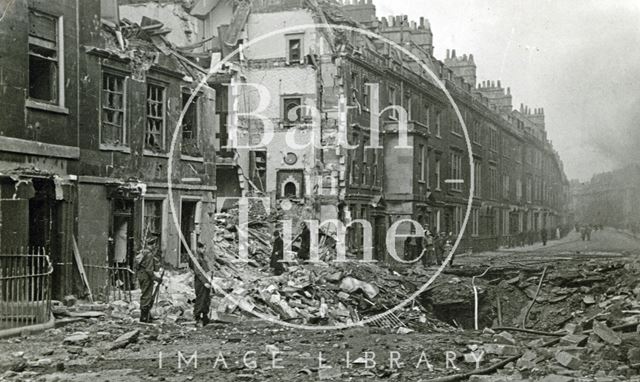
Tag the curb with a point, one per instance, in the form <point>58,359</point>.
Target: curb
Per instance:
<point>31,329</point>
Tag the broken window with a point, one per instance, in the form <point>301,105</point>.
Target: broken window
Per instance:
<point>44,71</point>
<point>154,134</point>
<point>190,126</point>
<point>113,110</point>
<point>294,49</point>
<point>292,110</point>
<point>153,223</point>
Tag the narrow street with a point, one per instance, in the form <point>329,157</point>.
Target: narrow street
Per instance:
<point>86,350</point>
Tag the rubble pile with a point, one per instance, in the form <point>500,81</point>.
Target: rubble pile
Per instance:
<point>314,293</point>
<point>579,293</point>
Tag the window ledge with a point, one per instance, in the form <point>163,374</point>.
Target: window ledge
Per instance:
<point>190,158</point>
<point>122,149</point>
<point>149,153</point>
<point>31,104</point>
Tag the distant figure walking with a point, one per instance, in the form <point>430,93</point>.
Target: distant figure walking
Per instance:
<point>543,236</point>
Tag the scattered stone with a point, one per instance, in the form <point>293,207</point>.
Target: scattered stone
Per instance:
<point>535,344</point>
<point>125,339</point>
<point>568,360</point>
<point>573,328</point>
<point>606,334</point>
<point>527,361</point>
<point>403,330</point>
<point>505,338</point>
<point>70,300</point>
<point>329,373</point>
<point>77,338</point>
<point>588,300</point>
<point>557,378</point>
<point>18,354</point>
<point>488,331</point>
<point>500,349</point>
<point>633,355</point>
<point>574,340</point>
<point>491,378</point>
<point>44,362</point>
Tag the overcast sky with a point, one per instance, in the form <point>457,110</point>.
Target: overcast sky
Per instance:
<point>579,59</point>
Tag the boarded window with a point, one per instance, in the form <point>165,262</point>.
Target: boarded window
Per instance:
<point>113,110</point>
<point>154,134</point>
<point>43,57</point>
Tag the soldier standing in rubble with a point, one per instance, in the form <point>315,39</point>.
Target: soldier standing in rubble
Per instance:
<point>277,254</point>
<point>201,286</point>
<point>145,268</point>
<point>305,242</point>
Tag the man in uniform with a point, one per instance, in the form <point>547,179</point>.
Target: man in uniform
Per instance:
<point>201,285</point>
<point>305,242</point>
<point>145,268</point>
<point>277,254</point>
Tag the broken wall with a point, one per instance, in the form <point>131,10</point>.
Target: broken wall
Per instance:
<point>185,29</point>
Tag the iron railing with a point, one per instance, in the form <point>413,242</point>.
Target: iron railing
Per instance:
<point>110,282</point>
<point>25,287</point>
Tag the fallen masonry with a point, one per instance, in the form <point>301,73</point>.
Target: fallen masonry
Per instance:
<point>565,339</point>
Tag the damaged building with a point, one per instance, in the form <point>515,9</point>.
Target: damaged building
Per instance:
<point>85,176</point>
<point>520,183</point>
<point>100,168</point>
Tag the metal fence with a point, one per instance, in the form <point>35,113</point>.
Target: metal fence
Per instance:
<point>110,283</point>
<point>25,287</point>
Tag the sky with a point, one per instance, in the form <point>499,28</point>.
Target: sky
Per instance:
<point>579,59</point>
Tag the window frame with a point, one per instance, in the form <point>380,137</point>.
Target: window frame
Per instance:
<point>438,172</point>
<point>196,103</point>
<point>477,178</point>
<point>59,104</point>
<point>421,162</point>
<point>163,216</point>
<point>163,132</point>
<point>292,37</point>
<point>456,170</point>
<point>284,117</point>
<point>125,112</point>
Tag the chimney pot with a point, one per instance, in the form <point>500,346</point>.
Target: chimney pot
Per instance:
<point>421,22</point>
<point>453,53</point>
<point>448,52</point>
<point>499,84</point>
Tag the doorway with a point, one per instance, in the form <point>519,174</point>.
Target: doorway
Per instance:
<point>189,220</point>
<point>121,240</point>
